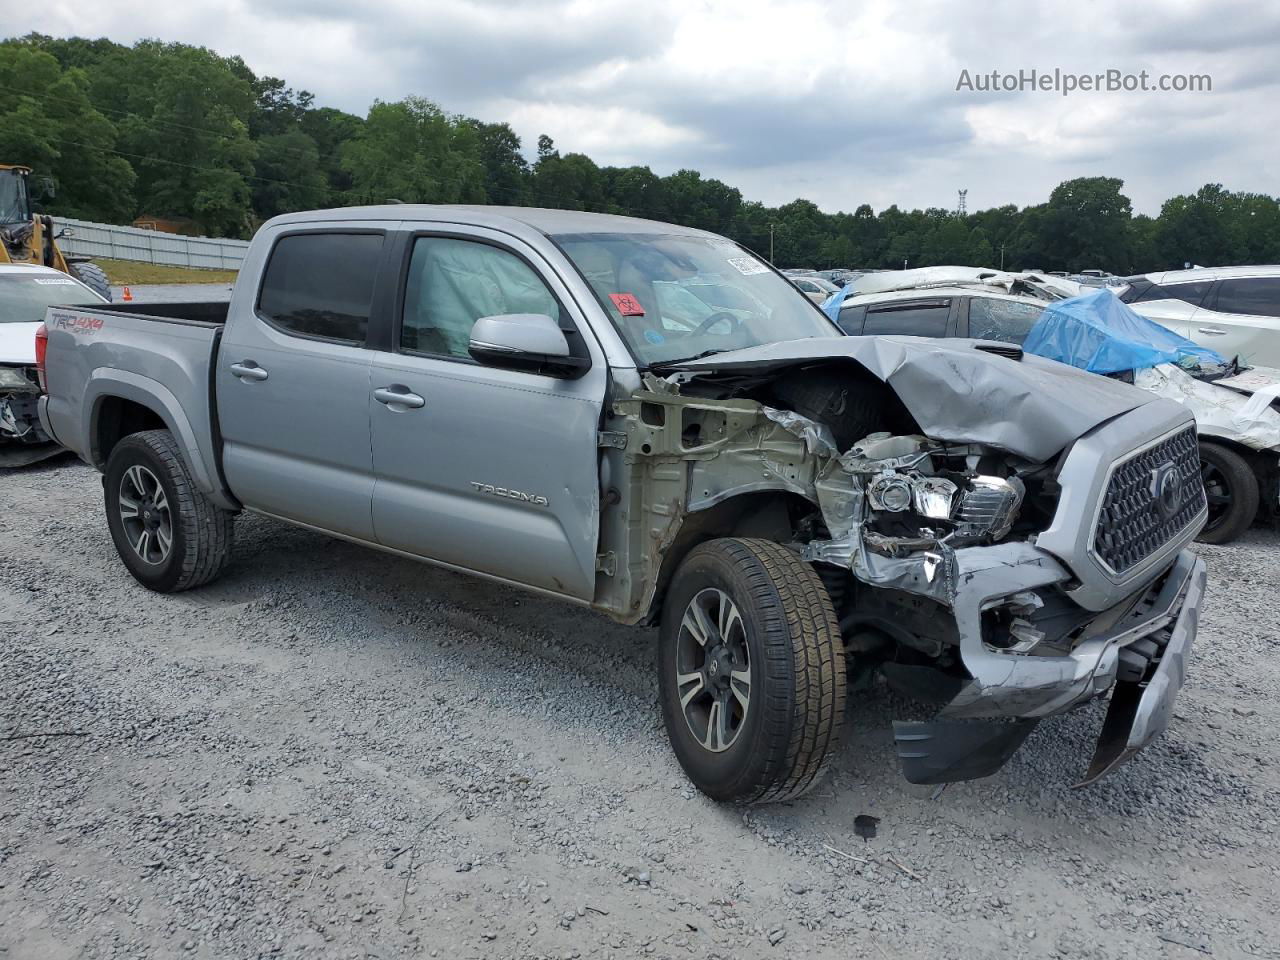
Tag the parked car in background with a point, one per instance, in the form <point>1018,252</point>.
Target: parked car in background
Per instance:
<point>26,293</point>
<point>647,420</point>
<point>1238,415</point>
<point>1233,310</point>
<point>815,287</point>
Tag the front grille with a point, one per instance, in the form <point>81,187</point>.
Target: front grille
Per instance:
<point>1133,522</point>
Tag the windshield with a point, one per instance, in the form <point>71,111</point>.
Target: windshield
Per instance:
<point>25,299</point>
<point>13,197</point>
<point>672,297</point>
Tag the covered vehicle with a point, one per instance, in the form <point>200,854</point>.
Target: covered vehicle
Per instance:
<point>1236,407</point>
<point>26,293</point>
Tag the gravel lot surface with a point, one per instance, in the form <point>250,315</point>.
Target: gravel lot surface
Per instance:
<point>335,753</point>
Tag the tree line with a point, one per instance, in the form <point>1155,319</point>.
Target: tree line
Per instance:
<point>179,132</point>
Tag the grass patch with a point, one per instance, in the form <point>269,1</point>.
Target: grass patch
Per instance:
<point>130,273</point>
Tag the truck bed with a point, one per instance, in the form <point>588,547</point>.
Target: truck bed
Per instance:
<point>156,355</point>
<point>203,312</point>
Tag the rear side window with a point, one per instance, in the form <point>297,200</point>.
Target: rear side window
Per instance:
<point>1258,296</point>
<point>321,284</point>
<point>1006,320</point>
<point>919,318</point>
<point>1192,292</point>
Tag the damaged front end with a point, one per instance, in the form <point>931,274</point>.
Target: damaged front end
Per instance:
<point>22,439</point>
<point>991,582</point>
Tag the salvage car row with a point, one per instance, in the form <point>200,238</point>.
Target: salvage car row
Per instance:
<point>649,420</point>
<point>1233,401</point>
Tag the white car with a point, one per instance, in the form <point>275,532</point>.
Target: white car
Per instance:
<point>26,292</point>
<point>1233,310</point>
<point>814,287</point>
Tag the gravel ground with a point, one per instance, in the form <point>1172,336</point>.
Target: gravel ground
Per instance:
<point>335,753</point>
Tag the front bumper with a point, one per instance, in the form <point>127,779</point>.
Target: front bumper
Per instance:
<point>985,723</point>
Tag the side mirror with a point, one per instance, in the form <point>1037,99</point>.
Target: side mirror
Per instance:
<point>524,341</point>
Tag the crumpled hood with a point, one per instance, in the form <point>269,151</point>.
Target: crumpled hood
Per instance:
<point>1030,407</point>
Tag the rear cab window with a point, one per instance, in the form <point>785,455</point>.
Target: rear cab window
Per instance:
<point>320,285</point>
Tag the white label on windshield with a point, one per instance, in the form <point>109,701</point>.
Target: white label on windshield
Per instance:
<point>747,266</point>
<point>54,281</point>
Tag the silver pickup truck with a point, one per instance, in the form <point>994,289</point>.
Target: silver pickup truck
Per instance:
<point>650,421</point>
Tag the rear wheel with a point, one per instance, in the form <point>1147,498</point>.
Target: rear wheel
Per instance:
<point>752,671</point>
<point>170,536</point>
<point>1232,491</point>
<point>92,276</point>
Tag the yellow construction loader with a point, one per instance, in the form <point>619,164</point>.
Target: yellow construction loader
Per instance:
<point>28,237</point>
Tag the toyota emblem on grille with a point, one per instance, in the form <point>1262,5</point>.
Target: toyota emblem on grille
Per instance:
<point>1166,489</point>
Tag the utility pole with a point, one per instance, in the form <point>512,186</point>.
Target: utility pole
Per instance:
<point>1002,256</point>
<point>770,243</point>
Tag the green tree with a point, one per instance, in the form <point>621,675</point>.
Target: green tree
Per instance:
<point>506,171</point>
<point>1085,224</point>
<point>288,175</point>
<point>48,123</point>
<point>413,151</point>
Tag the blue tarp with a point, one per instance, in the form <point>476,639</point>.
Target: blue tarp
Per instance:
<point>1098,333</point>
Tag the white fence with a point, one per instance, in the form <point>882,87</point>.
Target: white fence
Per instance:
<point>149,246</point>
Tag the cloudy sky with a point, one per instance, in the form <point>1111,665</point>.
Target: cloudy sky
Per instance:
<point>841,103</point>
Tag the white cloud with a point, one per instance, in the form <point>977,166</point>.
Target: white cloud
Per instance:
<point>815,98</point>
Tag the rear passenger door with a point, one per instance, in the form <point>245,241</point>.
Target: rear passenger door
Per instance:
<point>292,379</point>
<point>1242,317</point>
<point>491,470</point>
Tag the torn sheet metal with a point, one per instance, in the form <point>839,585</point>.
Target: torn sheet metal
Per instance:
<point>1219,411</point>
<point>817,437</point>
<point>1030,407</point>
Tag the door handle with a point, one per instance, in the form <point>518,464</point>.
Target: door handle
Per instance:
<point>398,395</point>
<point>1213,331</point>
<point>248,370</point>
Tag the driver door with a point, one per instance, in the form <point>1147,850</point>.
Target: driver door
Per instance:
<point>492,470</point>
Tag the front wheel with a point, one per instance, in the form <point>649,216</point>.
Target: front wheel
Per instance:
<point>170,535</point>
<point>1232,492</point>
<point>751,671</point>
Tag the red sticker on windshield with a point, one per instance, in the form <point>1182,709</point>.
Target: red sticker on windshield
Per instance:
<point>627,304</point>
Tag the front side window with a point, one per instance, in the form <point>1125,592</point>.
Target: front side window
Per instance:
<point>453,283</point>
<point>321,284</point>
<point>1006,320</point>
<point>920,318</point>
<point>1253,296</point>
<point>675,296</point>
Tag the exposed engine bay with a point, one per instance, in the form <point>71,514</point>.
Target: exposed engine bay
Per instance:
<point>22,439</point>
<point>929,536</point>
